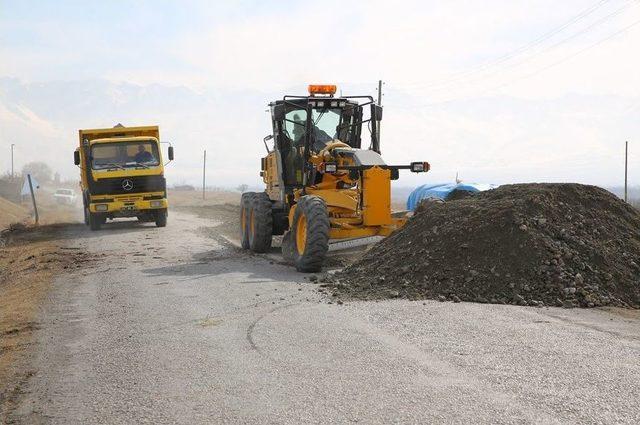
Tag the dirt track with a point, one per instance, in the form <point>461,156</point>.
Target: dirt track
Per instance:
<point>177,325</point>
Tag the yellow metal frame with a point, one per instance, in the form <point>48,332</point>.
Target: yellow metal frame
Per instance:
<point>353,232</point>
<point>346,219</point>
<point>362,209</point>
<point>121,205</point>
<point>151,131</point>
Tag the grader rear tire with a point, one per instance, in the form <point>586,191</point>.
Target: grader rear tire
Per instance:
<point>245,206</point>
<point>260,223</point>
<point>310,234</point>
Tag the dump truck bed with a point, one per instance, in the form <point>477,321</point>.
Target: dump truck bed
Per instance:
<point>101,133</point>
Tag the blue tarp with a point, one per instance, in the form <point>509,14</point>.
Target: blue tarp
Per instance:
<point>442,191</point>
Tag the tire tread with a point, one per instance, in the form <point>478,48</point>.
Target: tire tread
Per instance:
<point>318,226</point>
<point>260,239</point>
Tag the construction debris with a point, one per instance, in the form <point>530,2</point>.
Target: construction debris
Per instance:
<point>528,244</point>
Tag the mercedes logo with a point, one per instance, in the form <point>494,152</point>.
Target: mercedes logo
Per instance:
<point>127,184</point>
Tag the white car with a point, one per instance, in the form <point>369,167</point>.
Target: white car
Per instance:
<point>65,196</point>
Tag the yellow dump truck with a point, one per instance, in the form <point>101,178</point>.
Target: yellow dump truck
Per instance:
<point>122,174</point>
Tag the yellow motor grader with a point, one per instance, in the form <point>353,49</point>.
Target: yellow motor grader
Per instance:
<point>320,184</point>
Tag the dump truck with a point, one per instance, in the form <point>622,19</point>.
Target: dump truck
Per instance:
<point>321,185</point>
<point>122,174</point>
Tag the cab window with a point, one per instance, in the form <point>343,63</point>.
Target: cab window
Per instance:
<point>294,126</point>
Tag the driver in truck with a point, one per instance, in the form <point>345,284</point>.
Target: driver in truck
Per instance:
<point>143,155</point>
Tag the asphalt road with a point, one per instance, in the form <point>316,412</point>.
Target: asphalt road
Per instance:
<point>175,325</point>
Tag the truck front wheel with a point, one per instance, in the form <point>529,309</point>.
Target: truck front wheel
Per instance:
<point>161,218</point>
<point>85,204</point>
<point>95,221</point>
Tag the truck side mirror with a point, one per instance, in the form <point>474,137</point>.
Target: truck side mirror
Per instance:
<point>376,112</point>
<point>76,157</point>
<point>170,153</point>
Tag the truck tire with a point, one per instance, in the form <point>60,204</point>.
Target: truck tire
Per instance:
<point>161,218</point>
<point>310,238</point>
<point>245,207</point>
<point>85,203</point>
<point>95,221</point>
<point>260,223</point>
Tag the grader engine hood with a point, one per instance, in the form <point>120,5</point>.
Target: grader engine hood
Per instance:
<point>365,157</point>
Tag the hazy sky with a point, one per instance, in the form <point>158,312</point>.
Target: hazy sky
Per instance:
<point>500,91</point>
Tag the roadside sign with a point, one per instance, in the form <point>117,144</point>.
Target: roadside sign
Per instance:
<point>25,186</point>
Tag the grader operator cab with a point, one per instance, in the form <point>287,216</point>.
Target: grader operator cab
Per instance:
<point>321,185</point>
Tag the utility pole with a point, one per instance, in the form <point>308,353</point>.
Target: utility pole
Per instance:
<point>204,173</point>
<point>12,145</point>
<point>626,161</point>
<point>379,104</point>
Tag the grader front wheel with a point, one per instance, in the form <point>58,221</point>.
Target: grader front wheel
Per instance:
<point>310,238</point>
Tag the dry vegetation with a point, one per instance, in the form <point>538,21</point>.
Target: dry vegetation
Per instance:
<point>29,259</point>
<point>49,211</point>
<point>11,213</point>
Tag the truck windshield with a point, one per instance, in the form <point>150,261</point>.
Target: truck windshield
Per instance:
<point>342,123</point>
<point>124,155</point>
<point>324,122</point>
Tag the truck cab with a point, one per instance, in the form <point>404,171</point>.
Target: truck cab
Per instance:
<point>122,174</point>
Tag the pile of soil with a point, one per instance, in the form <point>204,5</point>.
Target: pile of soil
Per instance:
<point>11,213</point>
<point>527,244</point>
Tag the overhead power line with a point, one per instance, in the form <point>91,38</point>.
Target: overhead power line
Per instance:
<point>469,77</point>
<point>519,50</point>
<point>540,70</point>
<point>563,60</point>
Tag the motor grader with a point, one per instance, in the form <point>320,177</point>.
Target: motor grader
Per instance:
<point>321,185</point>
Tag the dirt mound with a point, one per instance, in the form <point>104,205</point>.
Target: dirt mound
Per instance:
<point>526,244</point>
<point>11,213</point>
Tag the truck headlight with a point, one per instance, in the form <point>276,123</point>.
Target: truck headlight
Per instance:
<point>102,207</point>
<point>155,204</point>
<point>420,167</point>
<point>330,167</point>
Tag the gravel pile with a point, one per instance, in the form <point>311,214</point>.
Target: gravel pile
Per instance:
<point>529,244</point>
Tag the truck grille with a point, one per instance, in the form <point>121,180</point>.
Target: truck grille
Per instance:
<point>129,185</point>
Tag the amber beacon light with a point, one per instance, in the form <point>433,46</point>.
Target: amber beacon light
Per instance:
<point>329,89</point>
